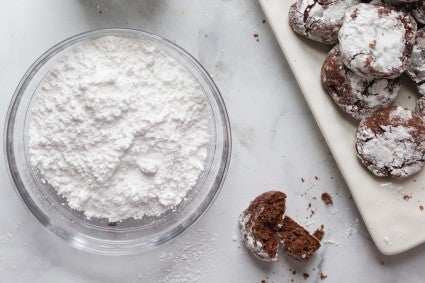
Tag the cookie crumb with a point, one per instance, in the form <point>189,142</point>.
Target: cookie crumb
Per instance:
<point>323,276</point>
<point>302,180</point>
<point>112,224</point>
<point>421,207</point>
<point>315,177</point>
<point>326,197</point>
<point>256,36</point>
<point>306,275</point>
<point>264,21</point>
<point>407,197</point>
<point>294,272</point>
<point>263,281</point>
<point>319,233</point>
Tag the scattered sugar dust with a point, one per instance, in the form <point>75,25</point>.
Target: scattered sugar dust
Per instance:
<point>351,229</point>
<point>6,238</point>
<point>187,258</point>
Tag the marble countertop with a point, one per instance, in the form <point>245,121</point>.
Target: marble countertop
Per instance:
<point>276,145</point>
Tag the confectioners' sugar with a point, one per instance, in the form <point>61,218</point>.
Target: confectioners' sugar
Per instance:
<point>119,128</point>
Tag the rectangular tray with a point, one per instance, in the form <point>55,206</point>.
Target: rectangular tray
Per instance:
<point>394,224</point>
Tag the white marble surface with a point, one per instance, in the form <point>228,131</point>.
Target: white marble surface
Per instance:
<point>275,140</point>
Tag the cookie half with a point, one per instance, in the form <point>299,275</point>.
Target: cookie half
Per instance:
<point>260,223</point>
<point>297,241</point>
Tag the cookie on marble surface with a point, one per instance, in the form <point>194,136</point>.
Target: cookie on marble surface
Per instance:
<point>354,94</point>
<point>319,20</point>
<point>296,241</point>
<point>260,223</point>
<point>391,142</point>
<point>376,40</point>
<point>416,67</point>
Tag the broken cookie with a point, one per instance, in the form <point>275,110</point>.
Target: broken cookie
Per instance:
<point>297,241</point>
<point>260,223</point>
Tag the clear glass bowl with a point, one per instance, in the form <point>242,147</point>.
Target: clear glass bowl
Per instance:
<point>95,235</point>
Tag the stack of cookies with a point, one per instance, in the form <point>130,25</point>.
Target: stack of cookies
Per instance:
<point>373,44</point>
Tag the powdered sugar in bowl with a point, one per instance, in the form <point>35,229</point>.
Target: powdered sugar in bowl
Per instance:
<point>117,140</point>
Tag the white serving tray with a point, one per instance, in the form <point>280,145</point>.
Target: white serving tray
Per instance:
<point>394,223</point>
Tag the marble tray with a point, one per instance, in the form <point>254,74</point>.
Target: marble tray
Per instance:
<point>394,223</point>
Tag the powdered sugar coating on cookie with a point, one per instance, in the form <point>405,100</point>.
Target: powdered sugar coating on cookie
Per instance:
<point>391,142</point>
<point>416,67</point>
<point>260,223</point>
<point>354,94</point>
<point>251,243</point>
<point>376,40</point>
<point>319,20</point>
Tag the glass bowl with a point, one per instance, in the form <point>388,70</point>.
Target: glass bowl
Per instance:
<point>96,234</point>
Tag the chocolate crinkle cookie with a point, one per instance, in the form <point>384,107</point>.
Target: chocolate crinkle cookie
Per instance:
<point>416,67</point>
<point>260,223</point>
<point>376,40</point>
<point>391,142</point>
<point>319,20</point>
<point>356,95</point>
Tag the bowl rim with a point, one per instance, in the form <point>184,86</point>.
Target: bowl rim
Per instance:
<point>26,199</point>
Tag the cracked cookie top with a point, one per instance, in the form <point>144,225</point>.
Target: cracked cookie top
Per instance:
<point>376,40</point>
<point>319,20</point>
<point>354,94</point>
<point>416,67</point>
<point>391,142</point>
